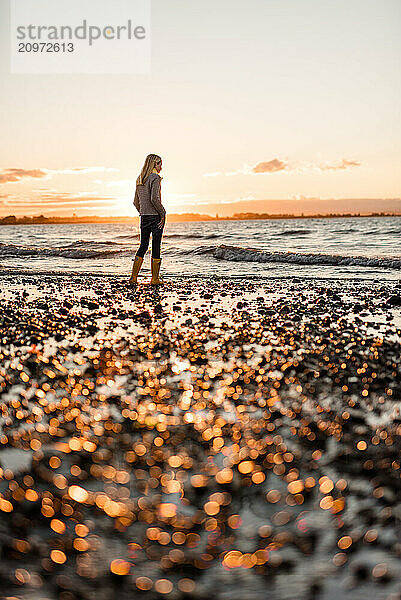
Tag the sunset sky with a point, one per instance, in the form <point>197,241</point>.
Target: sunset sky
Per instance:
<point>247,102</point>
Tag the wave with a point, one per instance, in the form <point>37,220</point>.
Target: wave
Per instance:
<point>197,251</point>
<point>130,236</point>
<point>84,243</point>
<point>193,236</point>
<point>238,254</point>
<point>235,253</point>
<point>172,236</point>
<point>295,232</point>
<point>10,250</point>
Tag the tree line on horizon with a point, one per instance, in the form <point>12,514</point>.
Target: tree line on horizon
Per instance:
<point>246,216</point>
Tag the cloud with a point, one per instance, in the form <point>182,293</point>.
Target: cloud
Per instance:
<point>270,166</point>
<point>12,175</point>
<point>247,198</point>
<point>54,200</point>
<point>276,165</point>
<point>344,164</point>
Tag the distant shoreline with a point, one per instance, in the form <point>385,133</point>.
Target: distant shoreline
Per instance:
<point>181,218</point>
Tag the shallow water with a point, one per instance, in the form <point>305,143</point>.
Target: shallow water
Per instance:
<point>363,248</point>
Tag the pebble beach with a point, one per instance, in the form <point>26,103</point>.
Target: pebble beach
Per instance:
<point>214,438</point>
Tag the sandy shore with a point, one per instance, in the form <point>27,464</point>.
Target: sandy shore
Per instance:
<point>212,439</point>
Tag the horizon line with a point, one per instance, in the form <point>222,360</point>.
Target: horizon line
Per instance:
<point>188,216</point>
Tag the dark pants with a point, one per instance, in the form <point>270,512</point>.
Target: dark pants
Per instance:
<point>150,225</point>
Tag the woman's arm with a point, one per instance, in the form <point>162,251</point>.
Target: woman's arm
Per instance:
<point>136,201</point>
<point>155,197</point>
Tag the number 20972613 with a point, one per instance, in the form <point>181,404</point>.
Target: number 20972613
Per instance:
<point>45,47</point>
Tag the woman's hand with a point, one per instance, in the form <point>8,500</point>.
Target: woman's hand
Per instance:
<point>162,222</point>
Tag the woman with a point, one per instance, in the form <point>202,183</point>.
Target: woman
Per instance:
<point>148,203</point>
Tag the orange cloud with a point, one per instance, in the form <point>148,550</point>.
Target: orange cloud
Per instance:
<point>12,175</point>
<point>270,166</point>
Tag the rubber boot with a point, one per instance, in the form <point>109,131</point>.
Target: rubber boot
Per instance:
<point>135,270</point>
<point>155,272</point>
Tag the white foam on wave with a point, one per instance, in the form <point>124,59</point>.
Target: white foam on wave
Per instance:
<point>10,250</point>
<point>237,254</point>
<point>84,243</point>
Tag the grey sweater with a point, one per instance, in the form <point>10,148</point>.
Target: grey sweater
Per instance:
<point>147,199</point>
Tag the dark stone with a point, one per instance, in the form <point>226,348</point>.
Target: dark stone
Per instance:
<point>394,300</point>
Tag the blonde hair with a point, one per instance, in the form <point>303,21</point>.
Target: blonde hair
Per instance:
<point>150,162</point>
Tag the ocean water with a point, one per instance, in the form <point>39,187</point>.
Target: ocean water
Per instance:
<point>360,247</point>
